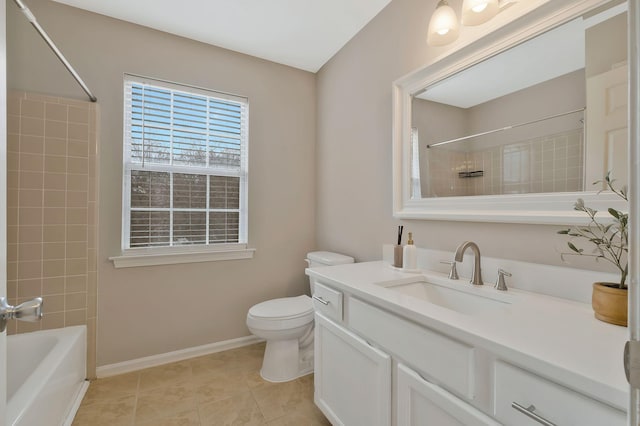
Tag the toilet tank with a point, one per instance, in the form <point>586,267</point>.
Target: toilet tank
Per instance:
<point>325,258</point>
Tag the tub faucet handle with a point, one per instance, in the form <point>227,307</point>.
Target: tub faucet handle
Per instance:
<point>30,310</point>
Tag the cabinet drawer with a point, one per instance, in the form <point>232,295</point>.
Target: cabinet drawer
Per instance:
<point>421,403</point>
<point>449,362</point>
<point>553,402</point>
<point>328,301</point>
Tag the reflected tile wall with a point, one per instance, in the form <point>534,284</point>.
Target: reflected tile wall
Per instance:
<point>552,163</point>
<point>51,211</point>
<point>444,166</point>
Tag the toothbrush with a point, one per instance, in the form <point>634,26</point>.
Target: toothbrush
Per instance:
<point>400,228</point>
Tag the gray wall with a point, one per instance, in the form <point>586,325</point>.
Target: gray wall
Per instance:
<point>354,150</point>
<point>152,310</point>
<point>606,45</point>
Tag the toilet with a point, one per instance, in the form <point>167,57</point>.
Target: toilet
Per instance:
<point>287,326</point>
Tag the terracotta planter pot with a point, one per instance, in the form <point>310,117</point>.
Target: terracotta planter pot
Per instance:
<point>610,303</point>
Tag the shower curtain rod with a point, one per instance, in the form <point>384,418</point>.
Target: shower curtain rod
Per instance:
<point>53,47</point>
<point>506,128</point>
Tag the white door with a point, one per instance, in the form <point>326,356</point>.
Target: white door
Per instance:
<point>606,127</point>
<point>421,403</point>
<point>3,202</point>
<point>352,379</point>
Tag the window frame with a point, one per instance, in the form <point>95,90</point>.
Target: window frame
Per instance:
<point>141,256</point>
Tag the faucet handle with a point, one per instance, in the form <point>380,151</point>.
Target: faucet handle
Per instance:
<point>453,273</point>
<point>500,282</point>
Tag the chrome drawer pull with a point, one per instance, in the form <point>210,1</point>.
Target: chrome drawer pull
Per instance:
<point>529,412</point>
<point>321,300</point>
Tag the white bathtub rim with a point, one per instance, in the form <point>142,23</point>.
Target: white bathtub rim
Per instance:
<point>75,405</point>
<point>174,356</point>
<point>16,412</point>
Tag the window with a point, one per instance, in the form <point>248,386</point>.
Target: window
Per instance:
<point>185,168</point>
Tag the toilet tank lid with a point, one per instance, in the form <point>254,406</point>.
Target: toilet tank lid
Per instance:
<point>329,258</point>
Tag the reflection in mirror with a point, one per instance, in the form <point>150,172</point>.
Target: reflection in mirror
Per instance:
<point>548,115</point>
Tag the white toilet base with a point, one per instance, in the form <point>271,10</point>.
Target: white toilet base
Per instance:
<point>283,362</point>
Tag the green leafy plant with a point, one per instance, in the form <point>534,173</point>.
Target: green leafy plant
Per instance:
<point>611,241</point>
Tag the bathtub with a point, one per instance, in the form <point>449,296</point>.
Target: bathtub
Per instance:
<point>45,376</point>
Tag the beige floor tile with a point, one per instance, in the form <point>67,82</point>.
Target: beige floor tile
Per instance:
<point>113,412</point>
<point>238,410</point>
<point>111,388</point>
<point>183,418</point>
<point>303,417</point>
<point>219,389</point>
<point>221,385</point>
<point>279,399</point>
<point>164,375</point>
<point>254,380</point>
<point>165,401</point>
<point>307,384</point>
<point>247,358</point>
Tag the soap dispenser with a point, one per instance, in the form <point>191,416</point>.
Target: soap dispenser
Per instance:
<point>409,255</point>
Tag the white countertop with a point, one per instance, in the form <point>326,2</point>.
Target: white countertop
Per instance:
<point>553,337</point>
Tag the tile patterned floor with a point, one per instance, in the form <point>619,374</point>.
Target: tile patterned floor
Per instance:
<point>224,388</point>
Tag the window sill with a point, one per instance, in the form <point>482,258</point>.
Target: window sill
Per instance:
<point>130,260</point>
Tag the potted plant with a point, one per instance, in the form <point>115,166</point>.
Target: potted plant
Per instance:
<point>611,243</point>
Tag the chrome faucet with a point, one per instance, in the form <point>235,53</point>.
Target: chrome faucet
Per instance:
<point>476,275</point>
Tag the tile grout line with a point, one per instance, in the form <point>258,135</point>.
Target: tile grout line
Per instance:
<point>135,401</point>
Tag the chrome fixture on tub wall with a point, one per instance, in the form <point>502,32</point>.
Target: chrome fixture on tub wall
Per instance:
<point>30,311</point>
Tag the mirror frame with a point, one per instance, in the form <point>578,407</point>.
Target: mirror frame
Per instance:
<point>534,208</point>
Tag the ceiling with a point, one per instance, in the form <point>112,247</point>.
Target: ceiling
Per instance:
<point>301,34</point>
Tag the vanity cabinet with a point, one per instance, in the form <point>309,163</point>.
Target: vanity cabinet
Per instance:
<point>371,362</point>
<point>352,378</point>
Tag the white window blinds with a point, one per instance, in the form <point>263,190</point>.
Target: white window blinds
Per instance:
<point>185,166</point>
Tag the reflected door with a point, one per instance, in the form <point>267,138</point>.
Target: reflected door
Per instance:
<point>607,133</point>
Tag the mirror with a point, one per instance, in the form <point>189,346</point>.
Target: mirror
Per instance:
<point>521,132</point>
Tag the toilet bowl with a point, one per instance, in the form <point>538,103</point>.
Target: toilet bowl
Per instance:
<point>287,326</point>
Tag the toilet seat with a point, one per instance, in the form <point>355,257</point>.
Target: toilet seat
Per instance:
<point>281,314</point>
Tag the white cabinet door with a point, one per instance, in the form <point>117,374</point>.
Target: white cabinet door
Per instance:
<point>421,403</point>
<point>352,379</point>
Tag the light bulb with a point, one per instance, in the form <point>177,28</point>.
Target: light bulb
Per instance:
<point>443,26</point>
<point>476,12</point>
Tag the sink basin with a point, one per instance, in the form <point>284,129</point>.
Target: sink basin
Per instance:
<point>464,302</point>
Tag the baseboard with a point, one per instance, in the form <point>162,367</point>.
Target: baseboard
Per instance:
<point>175,356</point>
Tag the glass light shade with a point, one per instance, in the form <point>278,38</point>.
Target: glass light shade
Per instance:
<point>443,26</point>
<point>476,12</point>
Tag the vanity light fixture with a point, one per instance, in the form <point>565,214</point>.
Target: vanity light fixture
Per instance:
<point>476,12</point>
<point>443,26</point>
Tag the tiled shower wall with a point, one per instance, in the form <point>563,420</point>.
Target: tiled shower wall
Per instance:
<point>551,163</point>
<point>52,212</point>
